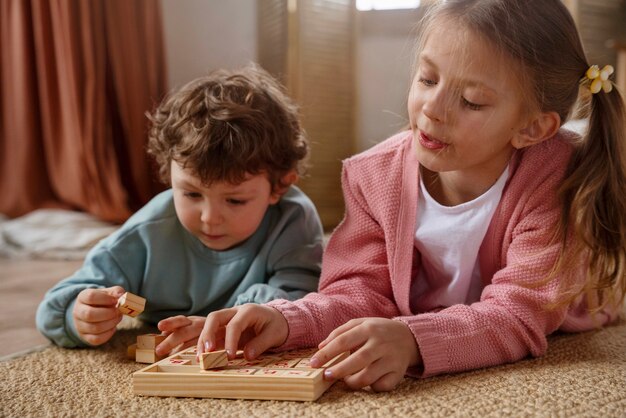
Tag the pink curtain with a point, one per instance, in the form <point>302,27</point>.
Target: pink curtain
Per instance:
<point>76,80</point>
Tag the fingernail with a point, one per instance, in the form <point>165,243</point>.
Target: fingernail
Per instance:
<point>206,346</point>
<point>328,374</point>
<point>229,353</point>
<point>314,362</point>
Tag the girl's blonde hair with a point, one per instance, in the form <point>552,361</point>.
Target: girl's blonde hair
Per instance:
<point>541,37</point>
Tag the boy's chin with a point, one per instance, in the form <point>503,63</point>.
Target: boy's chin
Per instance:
<point>219,245</point>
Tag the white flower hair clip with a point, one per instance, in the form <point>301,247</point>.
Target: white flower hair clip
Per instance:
<point>600,78</point>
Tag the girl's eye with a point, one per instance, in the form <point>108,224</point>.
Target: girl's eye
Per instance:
<point>192,195</point>
<point>470,105</point>
<point>235,201</point>
<point>426,82</point>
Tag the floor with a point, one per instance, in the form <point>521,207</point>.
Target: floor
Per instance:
<point>22,286</point>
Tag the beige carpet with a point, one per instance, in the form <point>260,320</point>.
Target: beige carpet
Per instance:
<point>581,375</point>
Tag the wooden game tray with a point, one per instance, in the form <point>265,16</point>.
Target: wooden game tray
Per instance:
<point>279,376</point>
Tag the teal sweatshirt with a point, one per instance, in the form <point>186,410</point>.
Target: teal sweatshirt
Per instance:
<point>152,255</point>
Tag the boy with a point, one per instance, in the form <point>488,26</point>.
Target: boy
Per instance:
<point>231,230</point>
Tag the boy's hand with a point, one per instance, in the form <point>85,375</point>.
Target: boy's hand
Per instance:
<point>254,328</point>
<point>381,351</point>
<point>182,332</point>
<point>95,314</point>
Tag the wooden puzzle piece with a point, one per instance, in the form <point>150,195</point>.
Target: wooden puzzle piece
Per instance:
<point>131,350</point>
<point>280,376</point>
<point>146,355</point>
<point>149,340</point>
<point>131,305</point>
<point>213,359</point>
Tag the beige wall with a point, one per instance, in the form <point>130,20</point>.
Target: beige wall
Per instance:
<point>385,47</point>
<point>206,34</point>
<point>201,35</point>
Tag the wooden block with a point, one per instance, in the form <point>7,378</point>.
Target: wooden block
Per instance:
<point>131,350</point>
<point>149,340</point>
<point>131,305</point>
<point>273,377</point>
<point>213,360</point>
<point>146,355</point>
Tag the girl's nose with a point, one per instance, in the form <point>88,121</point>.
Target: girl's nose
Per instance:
<point>435,107</point>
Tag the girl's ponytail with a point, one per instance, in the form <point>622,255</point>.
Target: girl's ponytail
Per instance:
<point>594,196</point>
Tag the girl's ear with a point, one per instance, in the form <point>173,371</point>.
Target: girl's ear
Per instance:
<point>543,126</point>
<point>285,181</point>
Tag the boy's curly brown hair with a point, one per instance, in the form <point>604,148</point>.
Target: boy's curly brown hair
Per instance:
<point>228,124</point>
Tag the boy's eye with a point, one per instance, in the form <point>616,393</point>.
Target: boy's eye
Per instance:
<point>235,201</point>
<point>470,105</point>
<point>192,195</point>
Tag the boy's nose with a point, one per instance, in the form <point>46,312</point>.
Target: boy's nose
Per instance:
<point>210,215</point>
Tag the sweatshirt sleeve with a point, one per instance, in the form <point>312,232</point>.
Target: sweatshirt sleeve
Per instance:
<point>295,257</point>
<point>54,315</point>
<point>355,279</point>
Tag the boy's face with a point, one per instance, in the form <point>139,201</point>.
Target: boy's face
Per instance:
<point>222,215</point>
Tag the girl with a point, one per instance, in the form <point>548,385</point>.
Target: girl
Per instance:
<point>491,228</point>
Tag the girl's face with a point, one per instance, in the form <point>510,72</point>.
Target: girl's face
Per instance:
<point>221,215</point>
<point>465,109</point>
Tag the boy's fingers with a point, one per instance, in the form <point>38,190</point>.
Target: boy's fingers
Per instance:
<point>115,291</point>
<point>98,339</point>
<point>89,313</point>
<point>97,327</point>
<point>96,297</point>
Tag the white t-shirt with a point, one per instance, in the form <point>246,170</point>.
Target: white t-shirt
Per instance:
<point>448,239</point>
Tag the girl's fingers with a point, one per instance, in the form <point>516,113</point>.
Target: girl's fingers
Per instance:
<point>387,382</point>
<point>172,323</point>
<point>376,375</point>
<point>347,340</point>
<point>234,329</point>
<point>355,362</point>
<point>182,335</point>
<point>340,330</point>
<point>214,329</point>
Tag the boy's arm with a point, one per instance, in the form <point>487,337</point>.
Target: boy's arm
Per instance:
<point>54,315</point>
<point>295,257</point>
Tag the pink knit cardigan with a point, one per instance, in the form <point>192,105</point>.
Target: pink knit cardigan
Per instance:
<point>371,259</point>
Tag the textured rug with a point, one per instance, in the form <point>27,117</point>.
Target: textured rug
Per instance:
<point>581,375</point>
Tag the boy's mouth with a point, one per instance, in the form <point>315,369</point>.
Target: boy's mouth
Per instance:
<point>430,142</point>
<point>212,237</point>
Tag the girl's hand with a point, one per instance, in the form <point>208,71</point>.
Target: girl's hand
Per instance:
<point>381,351</point>
<point>251,327</point>
<point>182,332</point>
<point>96,315</point>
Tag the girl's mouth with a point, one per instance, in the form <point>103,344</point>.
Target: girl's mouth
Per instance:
<point>430,143</point>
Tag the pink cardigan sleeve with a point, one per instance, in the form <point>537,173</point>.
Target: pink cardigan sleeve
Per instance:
<point>355,279</point>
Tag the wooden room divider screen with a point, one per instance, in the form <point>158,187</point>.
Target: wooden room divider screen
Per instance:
<point>309,46</point>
